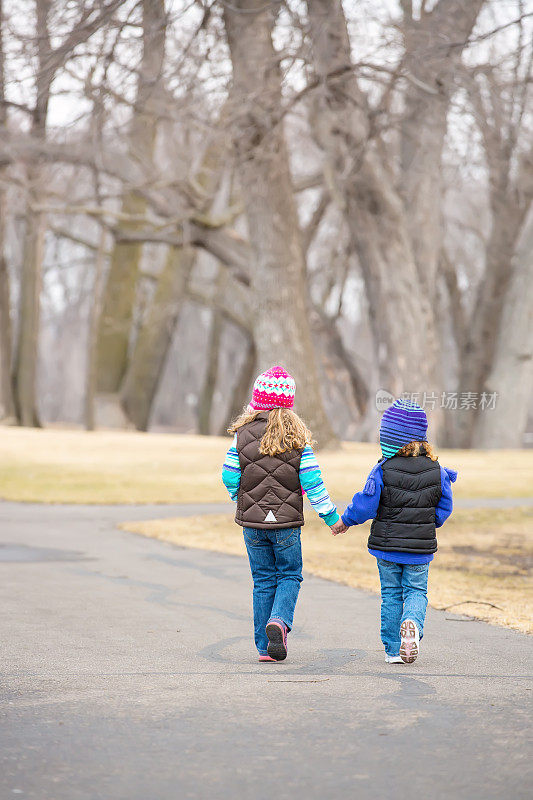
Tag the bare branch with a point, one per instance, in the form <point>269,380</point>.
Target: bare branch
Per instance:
<point>310,231</point>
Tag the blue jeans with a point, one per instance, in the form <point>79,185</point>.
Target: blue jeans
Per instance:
<point>403,596</point>
<point>276,563</point>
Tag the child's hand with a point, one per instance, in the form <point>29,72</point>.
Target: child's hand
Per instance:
<point>338,527</point>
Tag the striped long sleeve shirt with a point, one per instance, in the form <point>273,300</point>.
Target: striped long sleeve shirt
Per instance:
<point>310,479</point>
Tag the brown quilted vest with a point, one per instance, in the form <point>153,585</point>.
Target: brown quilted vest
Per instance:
<point>270,494</point>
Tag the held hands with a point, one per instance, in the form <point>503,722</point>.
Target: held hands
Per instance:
<point>338,527</point>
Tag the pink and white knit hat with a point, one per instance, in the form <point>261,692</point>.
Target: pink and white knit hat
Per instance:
<point>274,388</point>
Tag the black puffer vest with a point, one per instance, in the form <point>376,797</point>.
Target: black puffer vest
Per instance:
<point>270,494</point>
<point>405,520</point>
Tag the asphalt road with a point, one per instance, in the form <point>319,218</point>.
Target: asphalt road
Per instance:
<point>128,673</point>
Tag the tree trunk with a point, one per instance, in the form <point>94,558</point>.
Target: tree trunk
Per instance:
<point>120,291</point>
<point>205,405</point>
<point>282,327</point>
<point>326,327</point>
<point>511,375</point>
<point>485,329</point>
<point>90,390</point>
<point>364,185</point>
<point>25,362</point>
<point>7,408</point>
<point>430,62</point>
<point>154,338</point>
<point>117,308</point>
<point>401,318</point>
<point>241,393</point>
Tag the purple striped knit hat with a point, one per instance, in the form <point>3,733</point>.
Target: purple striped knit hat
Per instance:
<point>402,423</point>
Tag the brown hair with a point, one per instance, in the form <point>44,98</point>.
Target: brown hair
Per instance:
<point>284,431</point>
<point>417,449</point>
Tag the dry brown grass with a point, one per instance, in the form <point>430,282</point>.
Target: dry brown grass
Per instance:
<point>65,466</point>
<point>69,466</point>
<point>484,556</point>
<point>482,473</point>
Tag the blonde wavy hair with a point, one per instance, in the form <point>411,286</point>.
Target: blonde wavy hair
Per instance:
<point>417,449</point>
<point>284,431</point>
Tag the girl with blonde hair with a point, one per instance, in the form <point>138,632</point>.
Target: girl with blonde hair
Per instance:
<point>266,470</point>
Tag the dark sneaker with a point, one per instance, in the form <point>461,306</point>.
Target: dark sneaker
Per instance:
<point>410,638</point>
<point>276,630</point>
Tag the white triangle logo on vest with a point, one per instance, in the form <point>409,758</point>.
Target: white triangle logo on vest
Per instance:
<point>270,517</point>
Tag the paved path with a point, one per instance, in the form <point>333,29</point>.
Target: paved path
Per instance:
<point>128,673</point>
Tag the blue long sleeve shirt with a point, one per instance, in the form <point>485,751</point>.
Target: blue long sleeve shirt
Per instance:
<point>310,480</point>
<point>365,504</point>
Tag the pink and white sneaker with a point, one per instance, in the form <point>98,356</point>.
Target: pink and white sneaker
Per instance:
<point>410,641</point>
<point>267,658</point>
<point>276,630</point>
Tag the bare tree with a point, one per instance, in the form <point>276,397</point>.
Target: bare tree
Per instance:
<point>511,374</point>
<point>363,183</point>
<point>434,45</point>
<point>49,61</point>
<point>282,329</point>
<point>153,340</point>
<point>312,174</point>
<point>30,285</point>
<point>120,290</point>
<point>6,395</point>
<point>500,104</point>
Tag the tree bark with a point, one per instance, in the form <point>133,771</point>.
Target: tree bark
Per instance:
<point>7,408</point>
<point>282,327</point>
<point>121,286</point>
<point>90,390</point>
<point>510,204</point>
<point>484,326</point>
<point>25,362</point>
<point>49,61</point>
<point>205,405</point>
<point>327,327</point>
<point>511,374</point>
<point>155,337</point>
<point>241,392</point>
<point>430,62</point>
<point>363,184</point>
